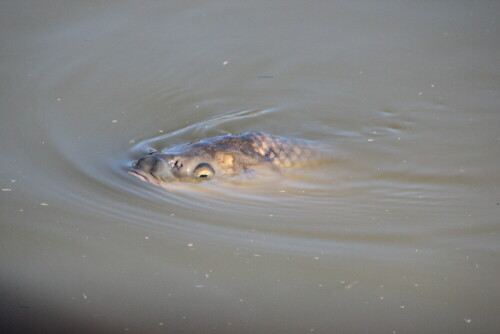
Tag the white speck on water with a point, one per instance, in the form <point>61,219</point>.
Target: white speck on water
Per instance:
<point>371,139</point>
<point>468,320</point>
<point>402,307</point>
<point>146,237</point>
<point>225,63</point>
<point>114,121</point>
<point>316,257</point>
<point>160,324</point>
<point>199,286</point>
<point>160,131</point>
<point>6,189</point>
<point>84,296</point>
<point>59,99</point>
<point>420,93</point>
<point>132,141</point>
<point>44,204</point>
<point>12,180</point>
<point>190,244</point>
<point>350,285</point>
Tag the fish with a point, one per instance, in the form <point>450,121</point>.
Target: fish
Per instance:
<point>224,156</point>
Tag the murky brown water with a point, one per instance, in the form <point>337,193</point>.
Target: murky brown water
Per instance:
<point>399,234</point>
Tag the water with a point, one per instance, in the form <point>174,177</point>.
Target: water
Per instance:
<point>398,234</point>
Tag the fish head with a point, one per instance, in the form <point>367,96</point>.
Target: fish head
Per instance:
<point>161,168</point>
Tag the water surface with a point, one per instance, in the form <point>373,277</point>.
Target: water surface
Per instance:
<point>399,233</point>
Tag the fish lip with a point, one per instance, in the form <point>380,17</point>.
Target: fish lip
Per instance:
<point>136,173</point>
<point>143,176</point>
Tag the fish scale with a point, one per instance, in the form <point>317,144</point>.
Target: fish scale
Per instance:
<point>280,151</point>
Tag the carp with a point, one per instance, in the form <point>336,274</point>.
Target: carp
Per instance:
<point>223,156</point>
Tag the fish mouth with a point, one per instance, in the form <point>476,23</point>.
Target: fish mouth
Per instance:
<point>144,176</point>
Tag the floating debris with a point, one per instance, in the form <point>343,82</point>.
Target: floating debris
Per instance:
<point>350,285</point>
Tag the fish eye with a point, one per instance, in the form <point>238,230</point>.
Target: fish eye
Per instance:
<point>204,170</point>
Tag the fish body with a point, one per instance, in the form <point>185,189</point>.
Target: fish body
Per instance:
<point>221,156</point>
